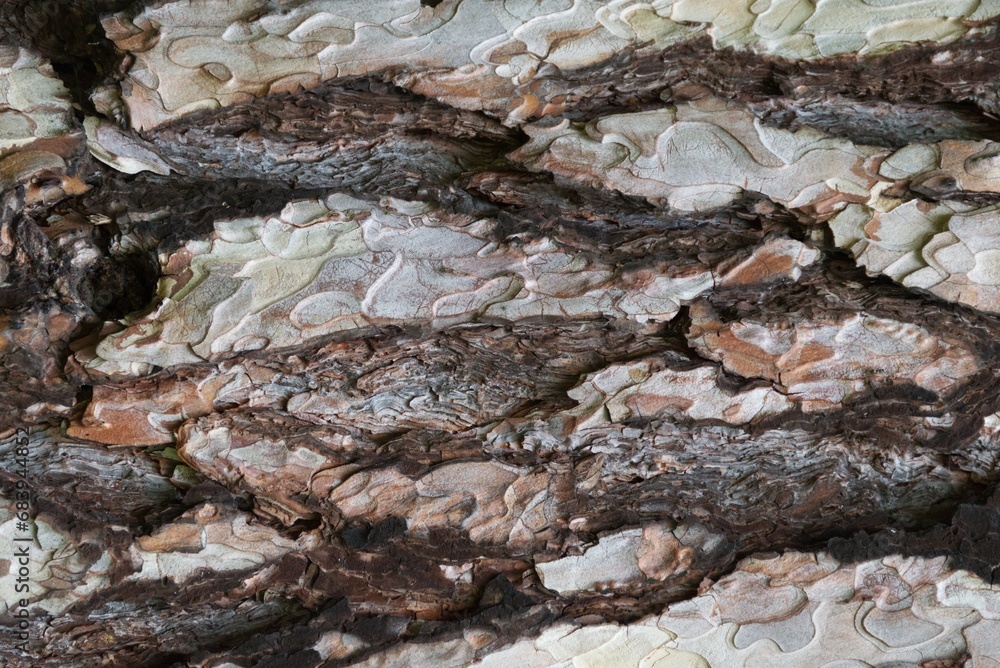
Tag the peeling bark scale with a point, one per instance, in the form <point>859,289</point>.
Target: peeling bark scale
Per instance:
<point>577,334</point>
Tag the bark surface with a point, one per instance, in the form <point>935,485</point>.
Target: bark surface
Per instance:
<point>499,333</point>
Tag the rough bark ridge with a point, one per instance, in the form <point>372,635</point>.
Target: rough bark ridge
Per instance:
<point>499,333</point>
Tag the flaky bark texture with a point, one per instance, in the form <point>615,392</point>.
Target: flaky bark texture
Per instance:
<point>499,333</point>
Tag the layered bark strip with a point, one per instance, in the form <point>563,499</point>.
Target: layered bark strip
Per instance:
<point>499,333</point>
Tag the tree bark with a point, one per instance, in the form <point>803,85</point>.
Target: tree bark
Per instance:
<point>493,333</point>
